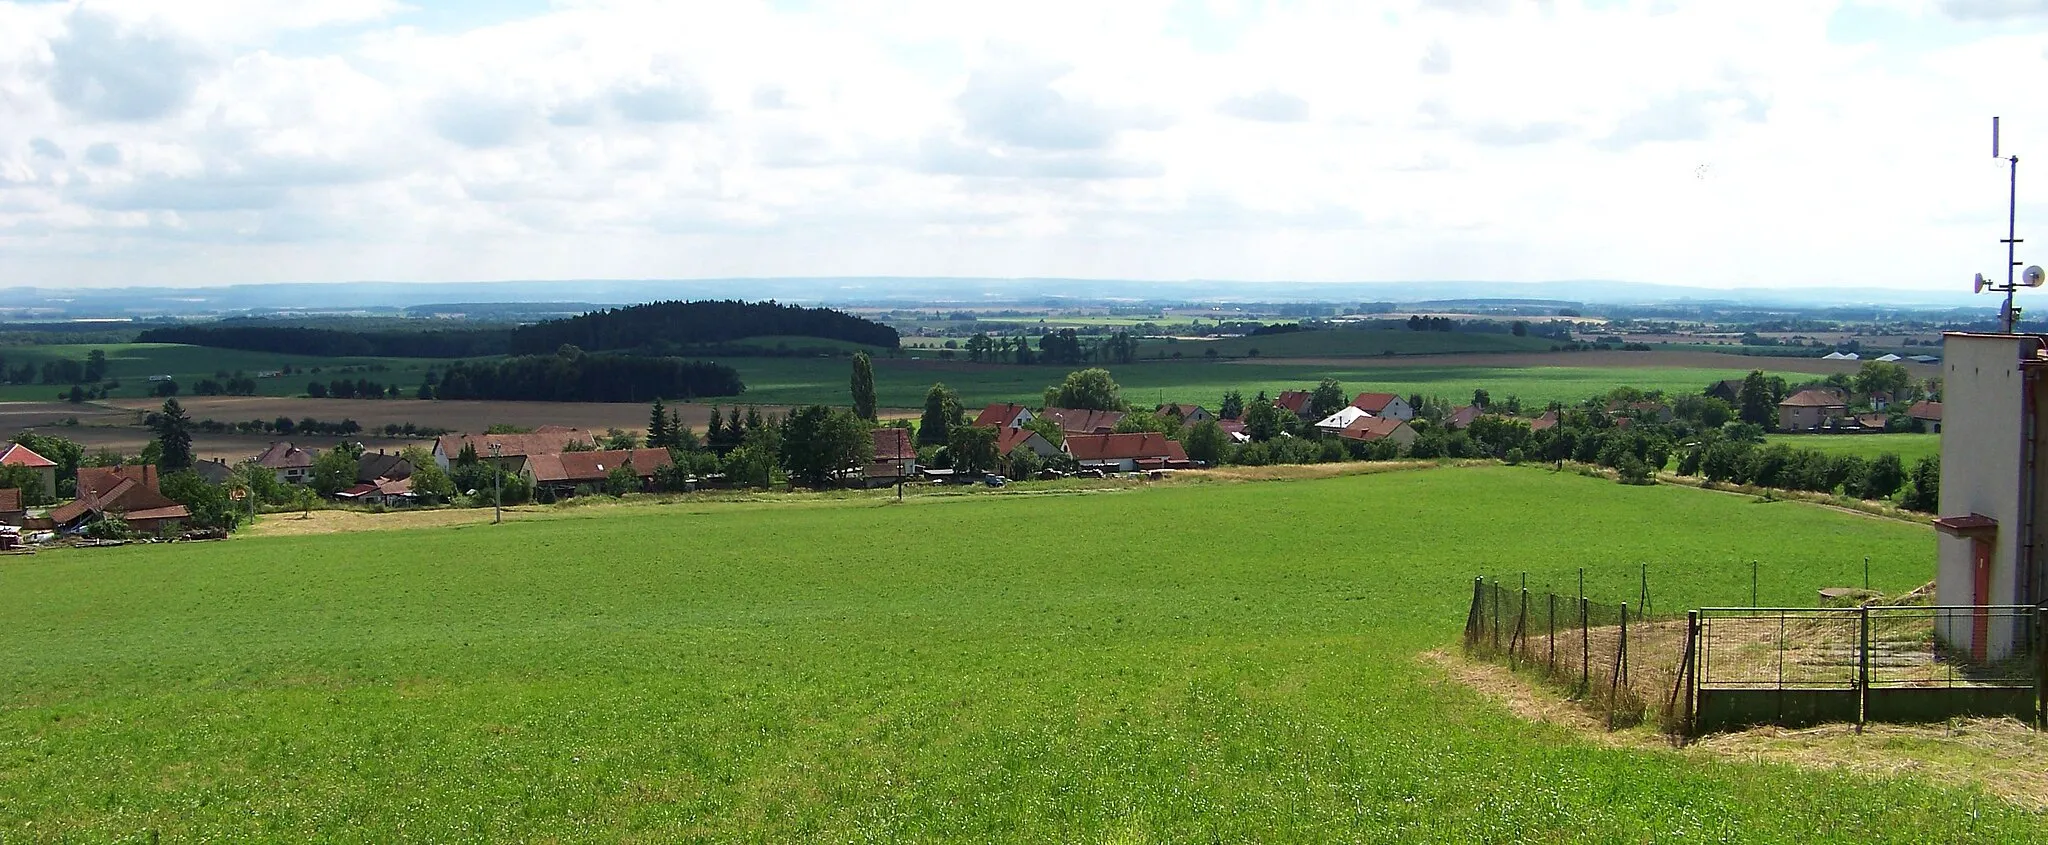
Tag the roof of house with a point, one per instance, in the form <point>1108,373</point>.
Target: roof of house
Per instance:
<point>1372,428</point>
<point>129,488</point>
<point>1176,409</point>
<point>215,471</point>
<point>546,440</point>
<point>1231,426</point>
<point>170,512</point>
<point>1732,385</point>
<point>1873,420</point>
<point>1373,403</point>
<point>1463,416</point>
<point>18,455</point>
<point>592,467</point>
<point>1547,421</point>
<point>1925,410</point>
<point>1297,401</point>
<point>380,486</point>
<point>374,465</point>
<point>1889,357</point>
<point>10,500</point>
<point>1813,398</point>
<point>1342,419</point>
<point>894,444</point>
<point>1001,414</point>
<point>1007,440</point>
<point>1083,421</point>
<point>1119,447</point>
<point>283,455</point>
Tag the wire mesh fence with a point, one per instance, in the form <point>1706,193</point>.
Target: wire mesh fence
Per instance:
<point>1912,663</point>
<point>1612,658</point>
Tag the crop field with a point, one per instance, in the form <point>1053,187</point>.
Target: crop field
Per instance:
<point>133,363</point>
<point>1909,447</point>
<point>942,669</point>
<point>902,383</point>
<point>1357,343</point>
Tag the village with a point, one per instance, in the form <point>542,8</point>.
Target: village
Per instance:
<point>1001,443</point>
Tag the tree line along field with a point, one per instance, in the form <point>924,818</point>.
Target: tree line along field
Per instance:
<point>852,669</point>
<point>1909,447</point>
<point>133,363</point>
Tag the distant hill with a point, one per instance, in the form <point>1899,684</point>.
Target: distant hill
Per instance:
<point>682,328</point>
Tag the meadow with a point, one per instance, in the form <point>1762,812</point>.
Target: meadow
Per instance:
<point>1909,447</point>
<point>1171,663</point>
<point>901,383</point>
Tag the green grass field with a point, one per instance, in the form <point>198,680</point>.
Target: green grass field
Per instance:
<point>1357,343</point>
<point>1220,662</point>
<point>133,363</point>
<point>1909,447</point>
<point>901,383</point>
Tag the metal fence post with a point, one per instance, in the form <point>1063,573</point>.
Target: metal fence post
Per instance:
<point>1620,662</point>
<point>1519,638</point>
<point>1550,637</point>
<point>1496,614</point>
<point>1692,672</point>
<point>1472,613</point>
<point>1862,664</point>
<point>1585,652</point>
<point>2040,668</point>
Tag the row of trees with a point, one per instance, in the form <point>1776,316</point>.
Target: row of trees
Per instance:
<point>361,388</point>
<point>335,343</point>
<point>1064,347</point>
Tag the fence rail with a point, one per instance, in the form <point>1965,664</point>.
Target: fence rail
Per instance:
<point>1800,666</point>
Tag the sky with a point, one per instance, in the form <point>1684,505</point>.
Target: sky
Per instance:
<point>1724,144</point>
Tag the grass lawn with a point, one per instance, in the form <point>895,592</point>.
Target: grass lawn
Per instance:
<point>133,363</point>
<point>901,383</point>
<point>1235,662</point>
<point>1909,447</point>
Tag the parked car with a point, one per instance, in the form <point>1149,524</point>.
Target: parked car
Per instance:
<point>994,480</point>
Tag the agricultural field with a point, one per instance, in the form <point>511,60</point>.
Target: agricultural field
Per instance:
<point>1355,343</point>
<point>1536,378</point>
<point>793,671</point>
<point>1909,447</point>
<point>133,363</point>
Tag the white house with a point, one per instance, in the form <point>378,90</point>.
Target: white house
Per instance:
<point>1008,416</point>
<point>1387,405</point>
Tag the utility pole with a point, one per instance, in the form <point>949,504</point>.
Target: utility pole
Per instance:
<point>497,485</point>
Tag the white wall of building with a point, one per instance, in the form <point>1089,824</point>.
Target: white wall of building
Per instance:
<point>1982,451</point>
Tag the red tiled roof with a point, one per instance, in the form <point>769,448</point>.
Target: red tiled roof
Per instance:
<point>131,489</point>
<point>18,455</point>
<point>999,415</point>
<point>548,441</point>
<point>10,499</point>
<point>282,455</point>
<point>1813,398</point>
<point>1548,420</point>
<point>1925,410</point>
<point>1373,403</point>
<point>1295,400</point>
<point>1231,426</point>
<point>171,512</point>
<point>592,467</point>
<point>1082,421</point>
<point>1463,417</point>
<point>1009,439</point>
<point>1117,447</point>
<point>893,444</point>
<point>1371,428</point>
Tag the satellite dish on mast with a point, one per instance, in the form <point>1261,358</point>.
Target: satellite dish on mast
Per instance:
<point>2034,276</point>
<point>1980,284</point>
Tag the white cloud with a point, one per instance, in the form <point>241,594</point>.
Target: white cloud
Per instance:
<point>243,140</point>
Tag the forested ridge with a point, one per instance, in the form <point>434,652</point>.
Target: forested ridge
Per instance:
<point>574,376</point>
<point>291,340</point>
<point>662,328</point>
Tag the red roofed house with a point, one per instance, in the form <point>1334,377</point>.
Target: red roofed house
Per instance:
<point>1005,416</point>
<point>1810,410</point>
<point>1547,421</point>
<point>1368,429</point>
<point>1126,452</point>
<point>292,464</point>
<point>1928,413</point>
<point>1297,402</point>
<point>562,472</point>
<point>1462,417</point>
<point>1234,428</point>
<point>896,455</point>
<point>1082,421</point>
<point>130,491</point>
<point>513,449</point>
<point>18,455</point>
<point>1184,414</point>
<point>1011,439</point>
<point>1384,405</point>
<point>382,491</point>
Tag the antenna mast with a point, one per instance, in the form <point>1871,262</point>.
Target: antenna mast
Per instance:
<point>2012,238</point>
